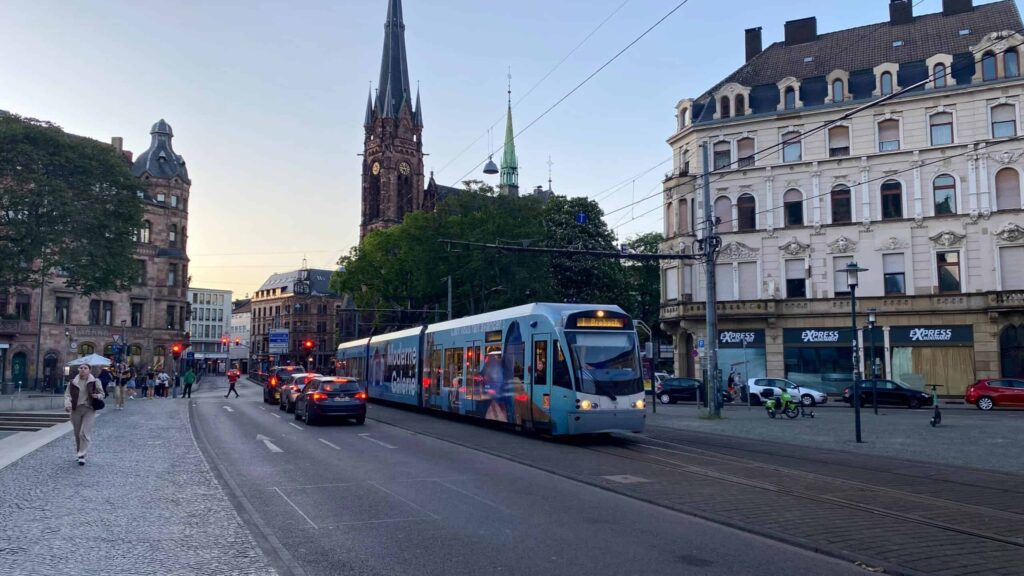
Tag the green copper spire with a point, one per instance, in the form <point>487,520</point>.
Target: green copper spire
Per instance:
<point>509,162</point>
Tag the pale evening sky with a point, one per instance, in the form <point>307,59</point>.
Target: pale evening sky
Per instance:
<point>267,98</point>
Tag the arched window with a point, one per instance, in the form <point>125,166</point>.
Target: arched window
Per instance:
<point>789,98</point>
<point>741,105</point>
<point>745,151</point>
<point>1007,189</point>
<point>723,212</point>
<point>941,127</point>
<point>1011,64</point>
<point>988,66</point>
<point>838,141</point>
<point>944,189</point>
<point>684,217</point>
<point>793,207</point>
<point>145,231</point>
<point>1004,121</point>
<point>724,111</point>
<point>892,200</point>
<point>885,83</point>
<point>746,213</point>
<point>939,76</point>
<point>888,135</point>
<point>837,90</point>
<point>842,207</point>
<point>1011,352</point>
<point>791,148</point>
<point>86,348</point>
<point>723,155</point>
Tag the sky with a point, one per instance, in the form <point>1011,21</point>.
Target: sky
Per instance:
<point>267,99</point>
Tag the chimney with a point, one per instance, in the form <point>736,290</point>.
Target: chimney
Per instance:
<point>801,31</point>
<point>118,143</point>
<point>753,36</point>
<point>951,7</point>
<point>901,12</point>
<point>538,189</point>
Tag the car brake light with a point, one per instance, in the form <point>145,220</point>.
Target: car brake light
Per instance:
<point>361,395</point>
<point>273,381</point>
<point>318,396</point>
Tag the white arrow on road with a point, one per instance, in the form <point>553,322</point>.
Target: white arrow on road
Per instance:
<point>228,408</point>
<point>270,445</point>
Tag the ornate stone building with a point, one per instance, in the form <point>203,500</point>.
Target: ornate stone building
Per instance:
<point>39,335</point>
<point>923,190</point>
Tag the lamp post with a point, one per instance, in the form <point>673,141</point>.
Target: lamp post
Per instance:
<point>852,279</point>
<point>122,354</point>
<point>872,318</point>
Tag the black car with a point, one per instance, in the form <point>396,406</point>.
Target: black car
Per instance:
<point>331,396</point>
<point>272,389</point>
<point>291,387</point>
<point>672,390</point>
<point>890,393</point>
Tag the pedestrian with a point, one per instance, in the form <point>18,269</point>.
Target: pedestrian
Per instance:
<point>161,382</point>
<point>105,378</point>
<point>232,378</point>
<point>78,401</point>
<point>120,383</point>
<point>130,389</point>
<point>150,382</point>
<point>190,379</point>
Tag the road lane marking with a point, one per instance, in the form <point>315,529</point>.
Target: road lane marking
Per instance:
<point>275,415</point>
<point>270,445</point>
<point>329,444</point>
<point>473,496</point>
<point>626,479</point>
<point>296,508</point>
<point>414,505</point>
<point>296,425</point>
<point>375,441</point>
<point>229,408</point>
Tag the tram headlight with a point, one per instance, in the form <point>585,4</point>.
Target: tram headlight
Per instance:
<point>587,405</point>
<point>639,404</point>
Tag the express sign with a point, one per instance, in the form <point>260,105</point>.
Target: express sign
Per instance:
<point>932,335</point>
<point>741,338</point>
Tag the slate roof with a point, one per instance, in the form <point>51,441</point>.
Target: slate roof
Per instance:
<point>319,282</point>
<point>160,160</point>
<point>865,47</point>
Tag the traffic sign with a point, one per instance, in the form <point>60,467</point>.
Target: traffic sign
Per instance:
<point>581,218</point>
<point>278,341</point>
<point>115,348</point>
<point>190,355</point>
<point>700,343</point>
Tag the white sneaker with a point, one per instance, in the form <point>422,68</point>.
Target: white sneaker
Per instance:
<point>81,461</point>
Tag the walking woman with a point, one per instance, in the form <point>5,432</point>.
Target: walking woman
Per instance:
<point>78,402</point>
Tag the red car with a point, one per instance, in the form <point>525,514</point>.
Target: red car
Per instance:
<point>989,393</point>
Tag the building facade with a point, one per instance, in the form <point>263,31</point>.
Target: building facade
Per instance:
<point>38,335</point>
<point>923,190</point>
<point>241,324</point>
<point>209,324</point>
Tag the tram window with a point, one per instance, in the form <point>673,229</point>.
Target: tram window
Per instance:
<point>560,373</point>
<point>540,363</point>
<point>434,369</point>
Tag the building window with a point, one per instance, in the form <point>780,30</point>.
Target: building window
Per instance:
<point>170,317</point>
<point>1007,189</point>
<point>895,274</point>
<point>840,285</point>
<point>741,105</point>
<point>136,314</point>
<point>838,141</point>
<point>941,128</point>
<point>101,313</point>
<point>161,198</point>
<point>791,149</point>
<point>1004,121</point>
<point>947,266</point>
<point>939,76</point>
<point>174,201</point>
<point>61,310</point>
<point>892,200</point>
<point>746,212</point>
<point>724,288</point>
<point>793,207</point>
<point>888,135</point>
<point>683,216</point>
<point>145,231</point>
<point>172,235</point>
<point>172,274</point>
<point>725,107</point>
<point>723,213</point>
<point>944,188</point>
<point>669,220</point>
<point>796,279</point>
<point>1011,64</point>
<point>988,66</point>
<point>842,208</point>
<point>885,83</point>
<point>837,91</point>
<point>745,151</point>
<point>23,306</point>
<point>671,284</point>
<point>1011,268</point>
<point>723,155</point>
<point>141,269</point>
<point>789,98</point>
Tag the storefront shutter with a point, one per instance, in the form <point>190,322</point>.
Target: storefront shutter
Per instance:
<point>723,282</point>
<point>1011,267</point>
<point>748,281</point>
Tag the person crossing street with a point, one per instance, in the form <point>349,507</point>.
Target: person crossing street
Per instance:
<point>190,379</point>
<point>232,378</point>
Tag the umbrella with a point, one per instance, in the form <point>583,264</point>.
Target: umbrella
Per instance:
<point>90,360</point>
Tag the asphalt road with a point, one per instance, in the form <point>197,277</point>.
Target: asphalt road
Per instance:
<point>375,499</point>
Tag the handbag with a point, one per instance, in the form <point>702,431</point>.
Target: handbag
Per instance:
<point>97,403</point>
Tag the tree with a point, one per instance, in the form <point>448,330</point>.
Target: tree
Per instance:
<point>68,205</point>
<point>643,283</point>
<point>579,223</point>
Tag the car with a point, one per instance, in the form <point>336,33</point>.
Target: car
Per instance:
<point>890,393</point>
<point>291,387</point>
<point>989,393</point>
<point>331,397</point>
<point>764,388</point>
<point>271,390</point>
<point>672,390</point>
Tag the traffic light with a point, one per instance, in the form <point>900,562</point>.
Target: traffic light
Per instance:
<point>224,340</point>
<point>308,344</point>
<point>238,341</point>
<point>176,350</point>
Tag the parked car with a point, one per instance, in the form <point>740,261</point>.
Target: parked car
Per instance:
<point>331,396</point>
<point>291,387</point>
<point>763,388</point>
<point>673,390</point>
<point>890,393</point>
<point>989,393</point>
<point>271,390</point>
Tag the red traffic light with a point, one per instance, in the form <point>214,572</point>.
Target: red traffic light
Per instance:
<point>176,350</point>
<point>238,341</point>
<point>308,344</point>
<point>224,340</point>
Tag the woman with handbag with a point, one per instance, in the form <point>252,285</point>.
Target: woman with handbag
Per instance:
<point>83,397</point>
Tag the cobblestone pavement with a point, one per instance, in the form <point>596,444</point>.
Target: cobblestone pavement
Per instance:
<point>156,508</point>
<point>989,440</point>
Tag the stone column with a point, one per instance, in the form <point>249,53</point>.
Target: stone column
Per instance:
<point>972,184</point>
<point>865,193</point>
<point>816,191</point>
<point>986,199</point>
<point>770,196</point>
<point>918,204</point>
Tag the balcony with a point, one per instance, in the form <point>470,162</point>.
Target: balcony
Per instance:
<point>15,326</point>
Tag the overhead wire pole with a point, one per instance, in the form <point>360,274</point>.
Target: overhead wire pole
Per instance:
<point>709,244</point>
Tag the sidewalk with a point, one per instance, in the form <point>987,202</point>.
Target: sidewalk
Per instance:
<point>156,509</point>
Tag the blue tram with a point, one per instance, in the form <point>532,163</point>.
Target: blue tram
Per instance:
<point>555,368</point>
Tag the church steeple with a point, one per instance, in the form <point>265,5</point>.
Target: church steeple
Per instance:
<point>393,87</point>
<point>509,162</point>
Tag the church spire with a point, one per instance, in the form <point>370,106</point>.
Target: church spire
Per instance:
<point>418,113</point>
<point>394,71</point>
<point>369,109</point>
<point>509,162</point>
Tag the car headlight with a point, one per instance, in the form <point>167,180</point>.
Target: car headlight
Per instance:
<point>639,404</point>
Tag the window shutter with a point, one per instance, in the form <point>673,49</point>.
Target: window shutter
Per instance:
<point>723,282</point>
<point>748,281</point>
<point>795,270</point>
<point>839,137</point>
<point>1007,189</point>
<point>1003,113</point>
<point>1011,267</point>
<point>888,131</point>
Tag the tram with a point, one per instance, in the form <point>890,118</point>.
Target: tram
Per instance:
<point>560,369</point>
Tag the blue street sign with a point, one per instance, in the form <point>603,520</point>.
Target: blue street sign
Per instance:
<point>700,343</point>
<point>581,218</point>
<point>190,355</point>
<point>115,348</point>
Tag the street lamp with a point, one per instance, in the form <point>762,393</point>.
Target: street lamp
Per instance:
<point>852,280</point>
<point>872,318</point>
<point>121,354</point>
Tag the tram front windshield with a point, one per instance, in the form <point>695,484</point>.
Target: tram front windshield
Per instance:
<point>606,363</point>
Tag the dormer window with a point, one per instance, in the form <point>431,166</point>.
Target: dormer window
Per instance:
<point>741,105</point>
<point>1011,64</point>
<point>897,43</point>
<point>885,83</point>
<point>838,93</point>
<point>724,111</point>
<point>965,32</point>
<point>790,99</point>
<point>988,67</point>
<point>939,76</point>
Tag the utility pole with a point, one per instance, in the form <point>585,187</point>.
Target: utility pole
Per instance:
<point>709,244</point>
<point>449,296</point>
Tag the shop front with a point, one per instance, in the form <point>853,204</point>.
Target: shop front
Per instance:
<point>926,355</point>
<point>822,358</point>
<point>741,355</point>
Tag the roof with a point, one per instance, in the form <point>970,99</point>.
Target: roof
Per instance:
<point>160,160</point>
<point>865,47</point>
<point>393,89</point>
<point>319,282</point>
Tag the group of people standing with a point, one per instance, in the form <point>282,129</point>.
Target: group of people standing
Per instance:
<point>146,383</point>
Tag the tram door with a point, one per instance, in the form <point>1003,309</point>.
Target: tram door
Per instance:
<point>540,382</point>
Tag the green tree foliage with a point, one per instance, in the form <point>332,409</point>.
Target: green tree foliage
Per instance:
<point>643,283</point>
<point>582,279</point>
<point>68,204</point>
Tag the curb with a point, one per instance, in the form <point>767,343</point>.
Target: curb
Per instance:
<point>17,446</point>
